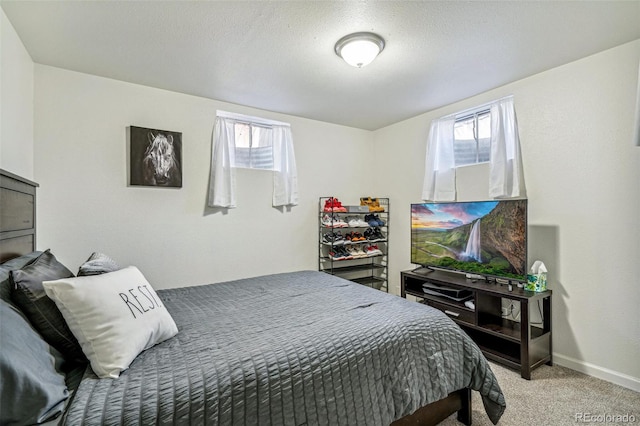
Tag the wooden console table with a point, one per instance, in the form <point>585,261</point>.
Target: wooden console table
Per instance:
<point>519,345</point>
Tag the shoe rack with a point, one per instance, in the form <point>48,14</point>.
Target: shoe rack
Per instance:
<point>353,240</point>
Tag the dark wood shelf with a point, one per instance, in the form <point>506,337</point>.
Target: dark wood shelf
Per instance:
<point>515,344</point>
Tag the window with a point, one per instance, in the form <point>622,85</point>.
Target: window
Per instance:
<point>472,138</point>
<point>253,148</point>
<point>251,142</point>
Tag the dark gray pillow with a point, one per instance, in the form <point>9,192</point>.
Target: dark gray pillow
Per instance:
<point>28,294</point>
<point>98,263</point>
<point>32,386</point>
<point>7,267</point>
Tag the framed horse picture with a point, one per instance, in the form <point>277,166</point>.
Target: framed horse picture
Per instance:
<point>155,157</point>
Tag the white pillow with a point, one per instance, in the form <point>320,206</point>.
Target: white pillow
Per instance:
<point>114,316</point>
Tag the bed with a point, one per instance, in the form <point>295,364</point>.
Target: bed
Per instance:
<point>298,348</point>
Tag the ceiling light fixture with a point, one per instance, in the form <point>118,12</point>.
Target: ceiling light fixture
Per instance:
<point>359,49</point>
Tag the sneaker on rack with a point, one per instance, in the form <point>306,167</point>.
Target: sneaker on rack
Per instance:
<point>352,221</point>
<point>371,220</point>
<point>347,238</point>
<point>373,250</point>
<point>335,255</point>
<point>338,207</point>
<point>358,252</point>
<point>362,223</point>
<point>327,238</point>
<point>378,235</point>
<point>379,221</point>
<point>345,253</point>
<point>353,252</point>
<point>369,234</point>
<point>333,221</point>
<point>339,222</point>
<point>375,206</point>
<point>333,238</point>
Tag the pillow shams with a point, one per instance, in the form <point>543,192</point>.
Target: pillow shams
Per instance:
<point>32,388</point>
<point>114,316</point>
<point>7,267</point>
<point>98,263</point>
<point>29,295</point>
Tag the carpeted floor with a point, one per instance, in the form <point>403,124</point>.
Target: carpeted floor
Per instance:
<point>557,396</point>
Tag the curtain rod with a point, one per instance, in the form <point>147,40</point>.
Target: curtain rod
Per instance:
<point>486,105</point>
<point>247,119</point>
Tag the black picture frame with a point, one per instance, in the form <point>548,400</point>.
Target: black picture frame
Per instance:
<point>155,157</point>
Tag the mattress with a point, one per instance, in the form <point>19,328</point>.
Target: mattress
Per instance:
<point>300,348</point>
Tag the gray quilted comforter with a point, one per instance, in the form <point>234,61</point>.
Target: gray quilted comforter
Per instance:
<point>301,348</point>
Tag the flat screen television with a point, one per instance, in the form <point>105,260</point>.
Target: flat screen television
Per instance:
<point>487,238</point>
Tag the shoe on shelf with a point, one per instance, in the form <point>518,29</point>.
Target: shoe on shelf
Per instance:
<point>353,221</point>
<point>372,220</point>
<point>373,250</point>
<point>333,221</point>
<point>361,223</point>
<point>336,255</point>
<point>359,253</point>
<point>327,221</point>
<point>374,234</point>
<point>365,201</point>
<point>375,206</point>
<point>338,207</point>
<point>333,238</point>
<point>332,204</point>
<point>345,253</point>
<point>378,220</point>
<point>378,235</point>
<point>369,234</point>
<point>347,238</point>
<point>330,221</point>
<point>353,252</point>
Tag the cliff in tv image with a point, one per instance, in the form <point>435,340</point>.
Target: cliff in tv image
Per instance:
<point>497,247</point>
<point>505,232</point>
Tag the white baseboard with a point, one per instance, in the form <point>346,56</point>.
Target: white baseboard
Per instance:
<point>615,377</point>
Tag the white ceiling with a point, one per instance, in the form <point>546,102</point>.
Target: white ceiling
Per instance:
<point>279,56</point>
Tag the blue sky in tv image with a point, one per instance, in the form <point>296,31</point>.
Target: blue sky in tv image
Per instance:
<point>443,216</point>
<point>487,238</point>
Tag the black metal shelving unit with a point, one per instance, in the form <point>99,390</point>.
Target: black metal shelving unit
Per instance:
<point>372,270</point>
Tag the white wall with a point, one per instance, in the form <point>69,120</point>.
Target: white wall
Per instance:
<point>16,102</point>
<point>582,173</point>
<point>85,203</point>
<point>581,169</point>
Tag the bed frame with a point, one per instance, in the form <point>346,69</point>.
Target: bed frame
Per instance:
<point>18,237</point>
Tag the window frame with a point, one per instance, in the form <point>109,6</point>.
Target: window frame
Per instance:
<point>251,122</point>
<point>475,114</point>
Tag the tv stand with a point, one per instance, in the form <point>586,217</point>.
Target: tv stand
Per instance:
<point>518,345</point>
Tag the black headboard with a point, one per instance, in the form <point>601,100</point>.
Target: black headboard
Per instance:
<point>17,215</point>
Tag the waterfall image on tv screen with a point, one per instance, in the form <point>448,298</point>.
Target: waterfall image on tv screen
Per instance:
<point>480,237</point>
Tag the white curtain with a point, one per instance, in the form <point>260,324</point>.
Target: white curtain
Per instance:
<point>285,175</point>
<point>506,177</point>
<point>222,180</point>
<point>440,168</point>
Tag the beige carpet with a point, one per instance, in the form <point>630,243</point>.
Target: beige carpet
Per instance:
<point>555,396</point>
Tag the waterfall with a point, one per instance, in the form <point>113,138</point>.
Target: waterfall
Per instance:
<point>472,251</point>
